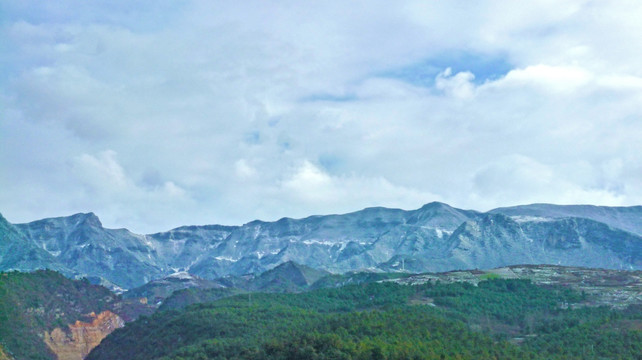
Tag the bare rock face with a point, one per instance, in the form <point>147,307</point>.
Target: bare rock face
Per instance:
<point>82,337</point>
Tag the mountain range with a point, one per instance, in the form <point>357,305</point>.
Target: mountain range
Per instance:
<point>435,237</point>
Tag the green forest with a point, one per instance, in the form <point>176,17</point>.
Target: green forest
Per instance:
<point>498,319</point>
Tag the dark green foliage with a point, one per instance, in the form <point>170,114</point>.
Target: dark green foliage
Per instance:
<point>509,301</point>
<point>338,280</point>
<point>544,318</point>
<point>278,280</point>
<point>182,298</point>
<point>588,333</point>
<point>374,321</point>
<point>32,303</point>
<point>407,333</point>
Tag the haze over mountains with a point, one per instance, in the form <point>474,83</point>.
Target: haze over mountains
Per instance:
<point>436,237</point>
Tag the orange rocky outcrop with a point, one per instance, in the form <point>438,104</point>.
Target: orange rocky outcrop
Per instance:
<point>82,337</point>
<point>3,355</point>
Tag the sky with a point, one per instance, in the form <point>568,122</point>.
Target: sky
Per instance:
<point>155,114</point>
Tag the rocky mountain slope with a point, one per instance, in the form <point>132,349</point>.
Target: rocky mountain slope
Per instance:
<point>18,253</point>
<point>155,291</point>
<point>625,218</point>
<point>286,277</point>
<point>436,237</point>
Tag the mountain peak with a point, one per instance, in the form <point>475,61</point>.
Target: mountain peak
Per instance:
<point>435,205</point>
<point>288,275</point>
<point>3,221</point>
<point>89,219</point>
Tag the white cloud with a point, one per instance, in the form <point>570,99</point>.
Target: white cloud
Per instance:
<point>310,187</point>
<point>517,179</point>
<point>220,112</point>
<point>102,171</point>
<point>459,85</point>
<point>105,187</point>
<point>244,170</point>
<point>559,79</point>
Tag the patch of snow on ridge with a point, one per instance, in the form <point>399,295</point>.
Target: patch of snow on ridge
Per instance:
<point>146,241</point>
<point>182,275</point>
<point>177,245</point>
<point>262,254</point>
<point>225,258</point>
<point>438,231</point>
<point>526,218</point>
<point>319,242</point>
<point>55,253</point>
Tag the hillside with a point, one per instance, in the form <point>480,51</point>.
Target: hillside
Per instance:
<point>181,289</point>
<point>612,288</point>
<point>155,291</point>
<point>387,321</point>
<point>44,315</point>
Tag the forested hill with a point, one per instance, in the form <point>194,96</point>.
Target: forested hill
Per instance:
<point>44,315</point>
<point>497,319</point>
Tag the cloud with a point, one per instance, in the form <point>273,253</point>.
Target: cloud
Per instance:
<point>459,85</point>
<point>308,186</point>
<point>558,79</point>
<point>155,115</point>
<point>101,171</point>
<point>244,170</point>
<point>519,179</point>
<point>104,185</point>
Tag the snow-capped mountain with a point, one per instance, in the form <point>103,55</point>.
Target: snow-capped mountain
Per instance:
<point>436,237</point>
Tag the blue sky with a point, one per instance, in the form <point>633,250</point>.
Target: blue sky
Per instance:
<point>485,67</point>
<point>161,113</point>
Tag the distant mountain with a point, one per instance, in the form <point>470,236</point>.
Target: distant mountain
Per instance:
<point>80,243</point>
<point>287,277</point>
<point>436,237</point>
<point>498,239</point>
<point>18,253</point>
<point>155,291</point>
<point>624,218</point>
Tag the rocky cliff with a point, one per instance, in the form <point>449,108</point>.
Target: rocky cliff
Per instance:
<point>80,338</point>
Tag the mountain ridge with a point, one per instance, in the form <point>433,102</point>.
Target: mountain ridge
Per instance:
<point>435,237</point>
